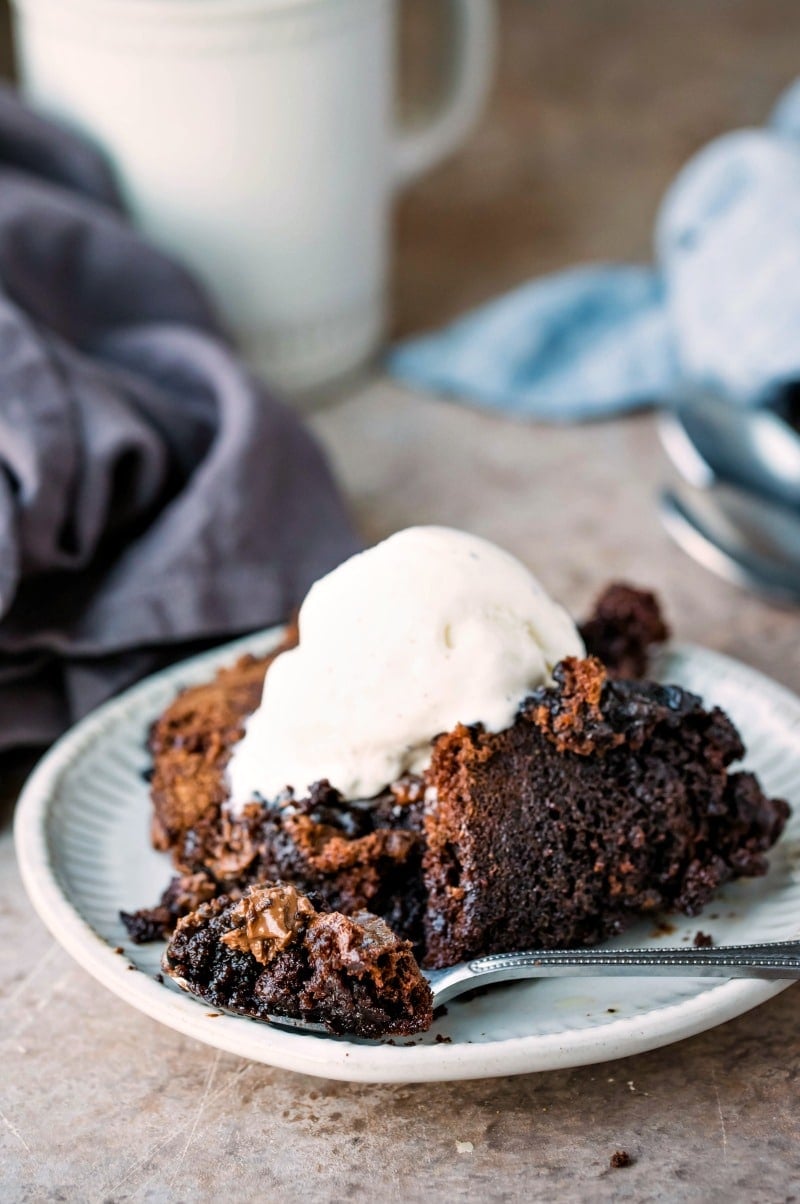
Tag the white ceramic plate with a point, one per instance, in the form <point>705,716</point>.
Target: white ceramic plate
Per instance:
<point>82,842</point>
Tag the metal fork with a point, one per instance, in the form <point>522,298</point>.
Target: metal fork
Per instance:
<point>771,960</point>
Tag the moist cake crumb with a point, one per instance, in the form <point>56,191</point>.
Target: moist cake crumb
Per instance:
<point>272,953</point>
<point>620,801</point>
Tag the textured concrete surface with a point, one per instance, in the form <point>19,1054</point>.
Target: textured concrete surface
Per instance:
<point>599,104</point>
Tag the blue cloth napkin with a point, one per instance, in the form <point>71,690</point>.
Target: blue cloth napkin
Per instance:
<point>721,307</point>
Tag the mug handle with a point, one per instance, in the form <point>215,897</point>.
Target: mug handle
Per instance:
<point>472,42</point>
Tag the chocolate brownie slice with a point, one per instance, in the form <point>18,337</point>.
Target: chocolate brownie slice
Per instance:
<point>605,800</point>
<point>272,953</point>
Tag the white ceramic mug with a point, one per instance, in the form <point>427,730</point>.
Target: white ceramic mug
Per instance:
<point>255,139</point>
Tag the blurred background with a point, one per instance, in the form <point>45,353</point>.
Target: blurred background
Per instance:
<point>596,105</point>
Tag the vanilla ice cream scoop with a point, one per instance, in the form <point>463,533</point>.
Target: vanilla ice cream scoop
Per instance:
<point>428,629</point>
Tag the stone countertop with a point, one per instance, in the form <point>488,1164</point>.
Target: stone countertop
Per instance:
<point>97,1102</point>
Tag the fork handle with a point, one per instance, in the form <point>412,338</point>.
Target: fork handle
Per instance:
<point>770,961</point>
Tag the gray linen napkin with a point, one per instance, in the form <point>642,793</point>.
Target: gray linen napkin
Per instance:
<point>153,496</point>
